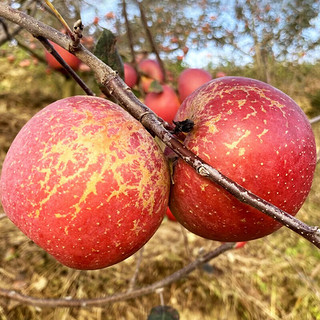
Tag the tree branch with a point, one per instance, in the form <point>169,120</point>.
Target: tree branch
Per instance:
<point>125,97</point>
<point>314,120</point>
<point>150,39</point>
<point>129,33</point>
<point>65,302</point>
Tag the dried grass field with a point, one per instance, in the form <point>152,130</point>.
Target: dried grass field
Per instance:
<point>277,277</point>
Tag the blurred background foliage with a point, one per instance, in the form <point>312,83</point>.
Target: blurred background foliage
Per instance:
<point>278,42</point>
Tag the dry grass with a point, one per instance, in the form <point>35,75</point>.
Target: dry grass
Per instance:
<point>272,278</point>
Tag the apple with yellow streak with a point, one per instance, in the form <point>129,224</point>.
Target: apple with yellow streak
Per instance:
<point>86,182</point>
<point>255,135</point>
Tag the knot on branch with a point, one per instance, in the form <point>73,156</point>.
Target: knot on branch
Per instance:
<point>203,171</point>
<point>107,78</point>
<point>77,30</point>
<point>145,114</point>
<point>183,126</point>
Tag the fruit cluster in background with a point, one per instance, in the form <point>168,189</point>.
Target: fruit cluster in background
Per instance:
<point>162,96</point>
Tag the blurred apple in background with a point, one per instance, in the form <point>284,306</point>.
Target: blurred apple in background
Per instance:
<point>149,70</point>
<point>68,57</point>
<point>220,74</point>
<point>165,103</point>
<point>130,75</point>
<point>190,80</point>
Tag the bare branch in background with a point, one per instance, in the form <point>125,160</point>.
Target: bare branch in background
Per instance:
<point>67,302</point>
<point>129,33</point>
<point>150,39</point>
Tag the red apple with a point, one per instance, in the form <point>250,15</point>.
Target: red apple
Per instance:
<point>86,182</point>
<point>257,136</point>
<point>150,70</point>
<point>69,58</point>
<point>240,244</point>
<point>169,215</point>
<point>130,75</point>
<point>165,104</point>
<point>190,80</point>
<point>220,74</point>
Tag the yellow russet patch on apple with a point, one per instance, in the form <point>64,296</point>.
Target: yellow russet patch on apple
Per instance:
<point>234,144</point>
<point>95,148</point>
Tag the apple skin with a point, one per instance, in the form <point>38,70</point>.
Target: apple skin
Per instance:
<point>86,182</point>
<point>190,80</point>
<point>257,136</point>
<point>68,57</point>
<point>165,104</point>
<point>150,70</point>
<point>130,75</point>
<point>220,74</point>
<point>169,215</point>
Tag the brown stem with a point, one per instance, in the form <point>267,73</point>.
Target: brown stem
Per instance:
<point>150,39</point>
<point>129,33</point>
<point>64,302</point>
<point>133,280</point>
<point>121,92</point>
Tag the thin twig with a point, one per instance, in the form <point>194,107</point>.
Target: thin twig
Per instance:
<point>60,18</point>
<point>2,215</point>
<point>73,74</point>
<point>129,33</point>
<point>133,280</point>
<point>67,302</point>
<point>186,242</point>
<point>314,120</point>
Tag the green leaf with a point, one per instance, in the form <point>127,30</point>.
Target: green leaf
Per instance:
<point>155,87</point>
<point>106,50</point>
<point>163,313</point>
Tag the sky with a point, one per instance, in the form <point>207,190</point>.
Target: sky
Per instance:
<point>194,58</point>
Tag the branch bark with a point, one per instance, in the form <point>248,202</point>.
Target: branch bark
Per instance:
<point>125,97</point>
